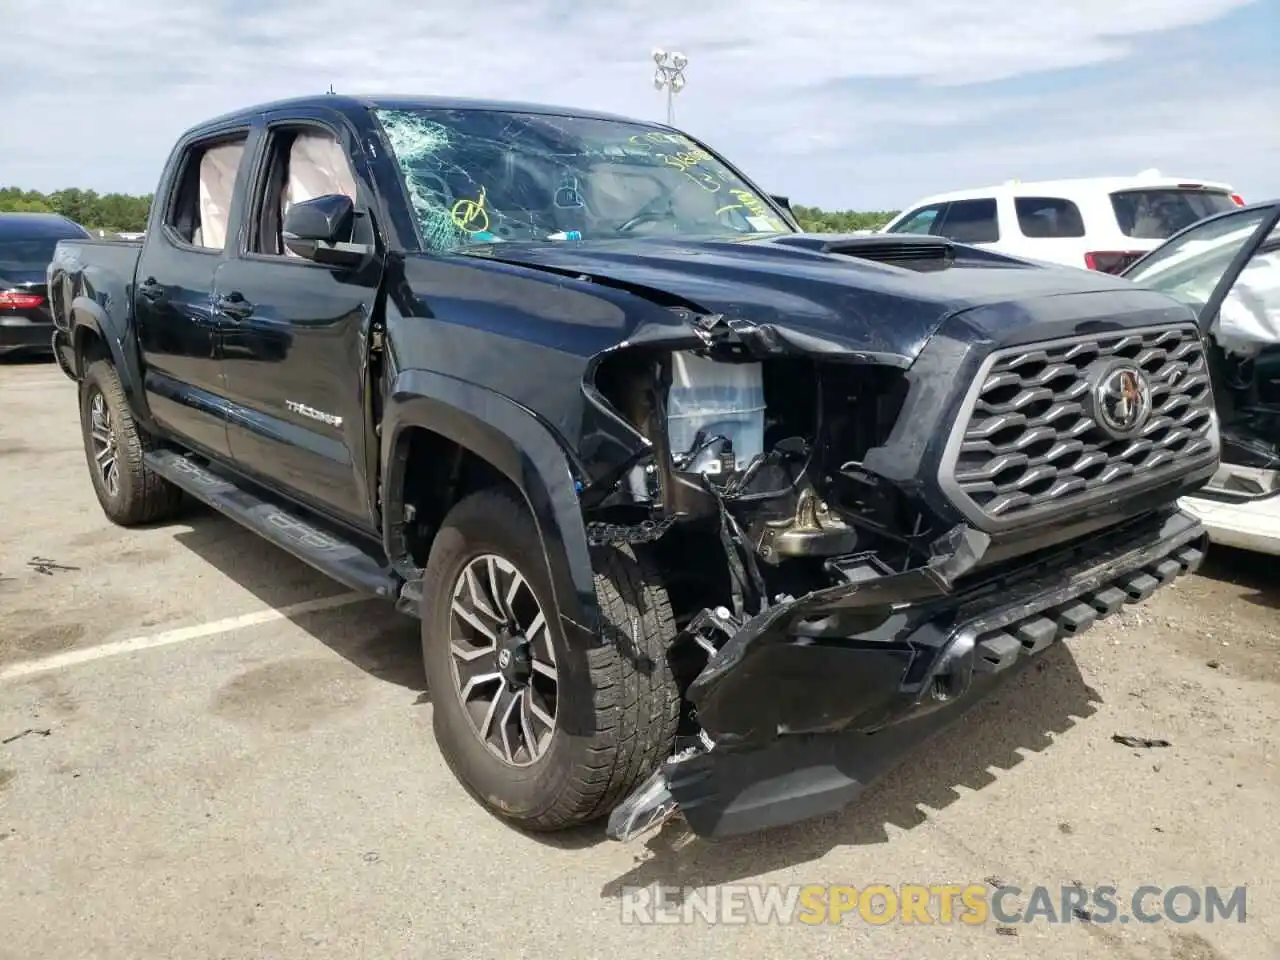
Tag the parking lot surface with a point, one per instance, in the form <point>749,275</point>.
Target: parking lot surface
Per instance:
<point>210,750</point>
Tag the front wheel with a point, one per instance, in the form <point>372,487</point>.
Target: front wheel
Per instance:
<point>544,734</point>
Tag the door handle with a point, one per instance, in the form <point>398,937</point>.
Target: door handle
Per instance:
<point>150,290</point>
<point>234,305</point>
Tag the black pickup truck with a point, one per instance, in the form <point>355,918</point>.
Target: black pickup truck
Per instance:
<point>698,511</point>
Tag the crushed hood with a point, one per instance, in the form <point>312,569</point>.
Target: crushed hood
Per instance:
<point>815,289</point>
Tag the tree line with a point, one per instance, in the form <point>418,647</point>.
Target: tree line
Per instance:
<point>817,220</point>
<point>112,212</point>
<point>124,213</point>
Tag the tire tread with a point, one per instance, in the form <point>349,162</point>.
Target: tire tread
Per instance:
<point>150,497</point>
<point>635,699</point>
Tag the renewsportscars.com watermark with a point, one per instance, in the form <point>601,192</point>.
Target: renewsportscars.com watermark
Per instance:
<point>911,903</point>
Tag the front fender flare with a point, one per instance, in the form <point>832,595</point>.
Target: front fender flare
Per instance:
<point>521,448</point>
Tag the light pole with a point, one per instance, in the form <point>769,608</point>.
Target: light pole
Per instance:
<point>669,75</point>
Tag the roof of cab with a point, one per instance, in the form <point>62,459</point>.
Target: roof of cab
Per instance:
<point>30,225</point>
<point>352,103</point>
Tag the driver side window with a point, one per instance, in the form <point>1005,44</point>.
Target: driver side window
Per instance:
<point>302,163</point>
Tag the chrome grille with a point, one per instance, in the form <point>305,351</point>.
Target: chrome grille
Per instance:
<point>1030,440</point>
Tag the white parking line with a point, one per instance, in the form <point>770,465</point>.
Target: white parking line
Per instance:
<point>73,658</point>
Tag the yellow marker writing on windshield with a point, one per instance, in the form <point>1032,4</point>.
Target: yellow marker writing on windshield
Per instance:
<point>754,204</point>
<point>470,215</point>
<point>705,180</point>
<point>656,136</point>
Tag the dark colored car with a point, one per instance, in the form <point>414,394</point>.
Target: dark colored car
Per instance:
<point>697,510</point>
<point>1227,268</point>
<point>27,242</point>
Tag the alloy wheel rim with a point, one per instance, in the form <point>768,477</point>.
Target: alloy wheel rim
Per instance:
<point>102,437</point>
<point>503,660</point>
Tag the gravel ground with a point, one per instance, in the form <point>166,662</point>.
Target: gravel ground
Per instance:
<point>231,757</point>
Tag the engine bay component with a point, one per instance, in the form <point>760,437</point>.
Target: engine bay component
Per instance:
<point>814,531</point>
<point>715,414</point>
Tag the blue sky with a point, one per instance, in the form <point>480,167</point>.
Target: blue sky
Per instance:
<point>842,104</point>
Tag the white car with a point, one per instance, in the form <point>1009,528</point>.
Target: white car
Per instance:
<point>1099,223</point>
<point>1228,268</point>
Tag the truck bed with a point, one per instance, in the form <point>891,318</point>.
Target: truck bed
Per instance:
<point>99,270</point>
<point>118,257</point>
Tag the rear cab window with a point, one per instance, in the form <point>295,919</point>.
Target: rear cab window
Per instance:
<point>1046,218</point>
<point>1157,213</point>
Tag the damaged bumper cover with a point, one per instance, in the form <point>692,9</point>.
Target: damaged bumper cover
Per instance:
<point>809,701</point>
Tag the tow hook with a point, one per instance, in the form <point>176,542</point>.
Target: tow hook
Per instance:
<point>651,804</point>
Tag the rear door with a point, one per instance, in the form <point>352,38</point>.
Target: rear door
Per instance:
<point>297,332</point>
<point>178,334</point>
<point>1051,228</point>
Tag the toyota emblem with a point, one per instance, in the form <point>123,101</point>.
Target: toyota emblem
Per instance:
<point>504,658</point>
<point>1122,400</point>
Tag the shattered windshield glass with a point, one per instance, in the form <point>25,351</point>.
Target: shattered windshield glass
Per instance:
<point>485,176</point>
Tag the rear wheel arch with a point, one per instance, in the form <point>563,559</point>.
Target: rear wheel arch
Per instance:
<point>443,440</point>
<point>88,345</point>
<point>97,334</point>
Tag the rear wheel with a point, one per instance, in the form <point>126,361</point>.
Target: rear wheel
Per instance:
<point>114,445</point>
<point>542,733</point>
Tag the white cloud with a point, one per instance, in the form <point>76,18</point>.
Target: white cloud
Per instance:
<point>94,94</point>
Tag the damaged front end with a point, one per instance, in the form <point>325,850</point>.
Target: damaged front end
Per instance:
<point>830,614</point>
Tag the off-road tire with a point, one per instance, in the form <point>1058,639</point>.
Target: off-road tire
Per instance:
<point>143,496</point>
<point>624,685</point>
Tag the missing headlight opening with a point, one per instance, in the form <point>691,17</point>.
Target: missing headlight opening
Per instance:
<point>753,472</point>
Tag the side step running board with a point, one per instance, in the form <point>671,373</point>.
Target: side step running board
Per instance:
<point>339,559</point>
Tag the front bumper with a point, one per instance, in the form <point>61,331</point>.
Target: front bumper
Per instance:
<point>797,723</point>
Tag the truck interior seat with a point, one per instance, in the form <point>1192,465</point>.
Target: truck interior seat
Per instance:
<point>217,178</point>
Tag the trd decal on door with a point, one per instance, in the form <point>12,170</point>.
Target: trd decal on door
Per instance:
<point>311,413</point>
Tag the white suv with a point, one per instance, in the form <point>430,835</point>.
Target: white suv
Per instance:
<point>1099,223</point>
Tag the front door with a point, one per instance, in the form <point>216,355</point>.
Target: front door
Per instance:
<point>1201,264</point>
<point>178,332</point>
<point>1228,268</point>
<point>296,331</point>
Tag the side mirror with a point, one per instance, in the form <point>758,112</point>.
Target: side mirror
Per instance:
<point>785,204</point>
<point>320,230</point>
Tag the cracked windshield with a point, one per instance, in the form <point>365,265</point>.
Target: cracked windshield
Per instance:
<point>481,176</point>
